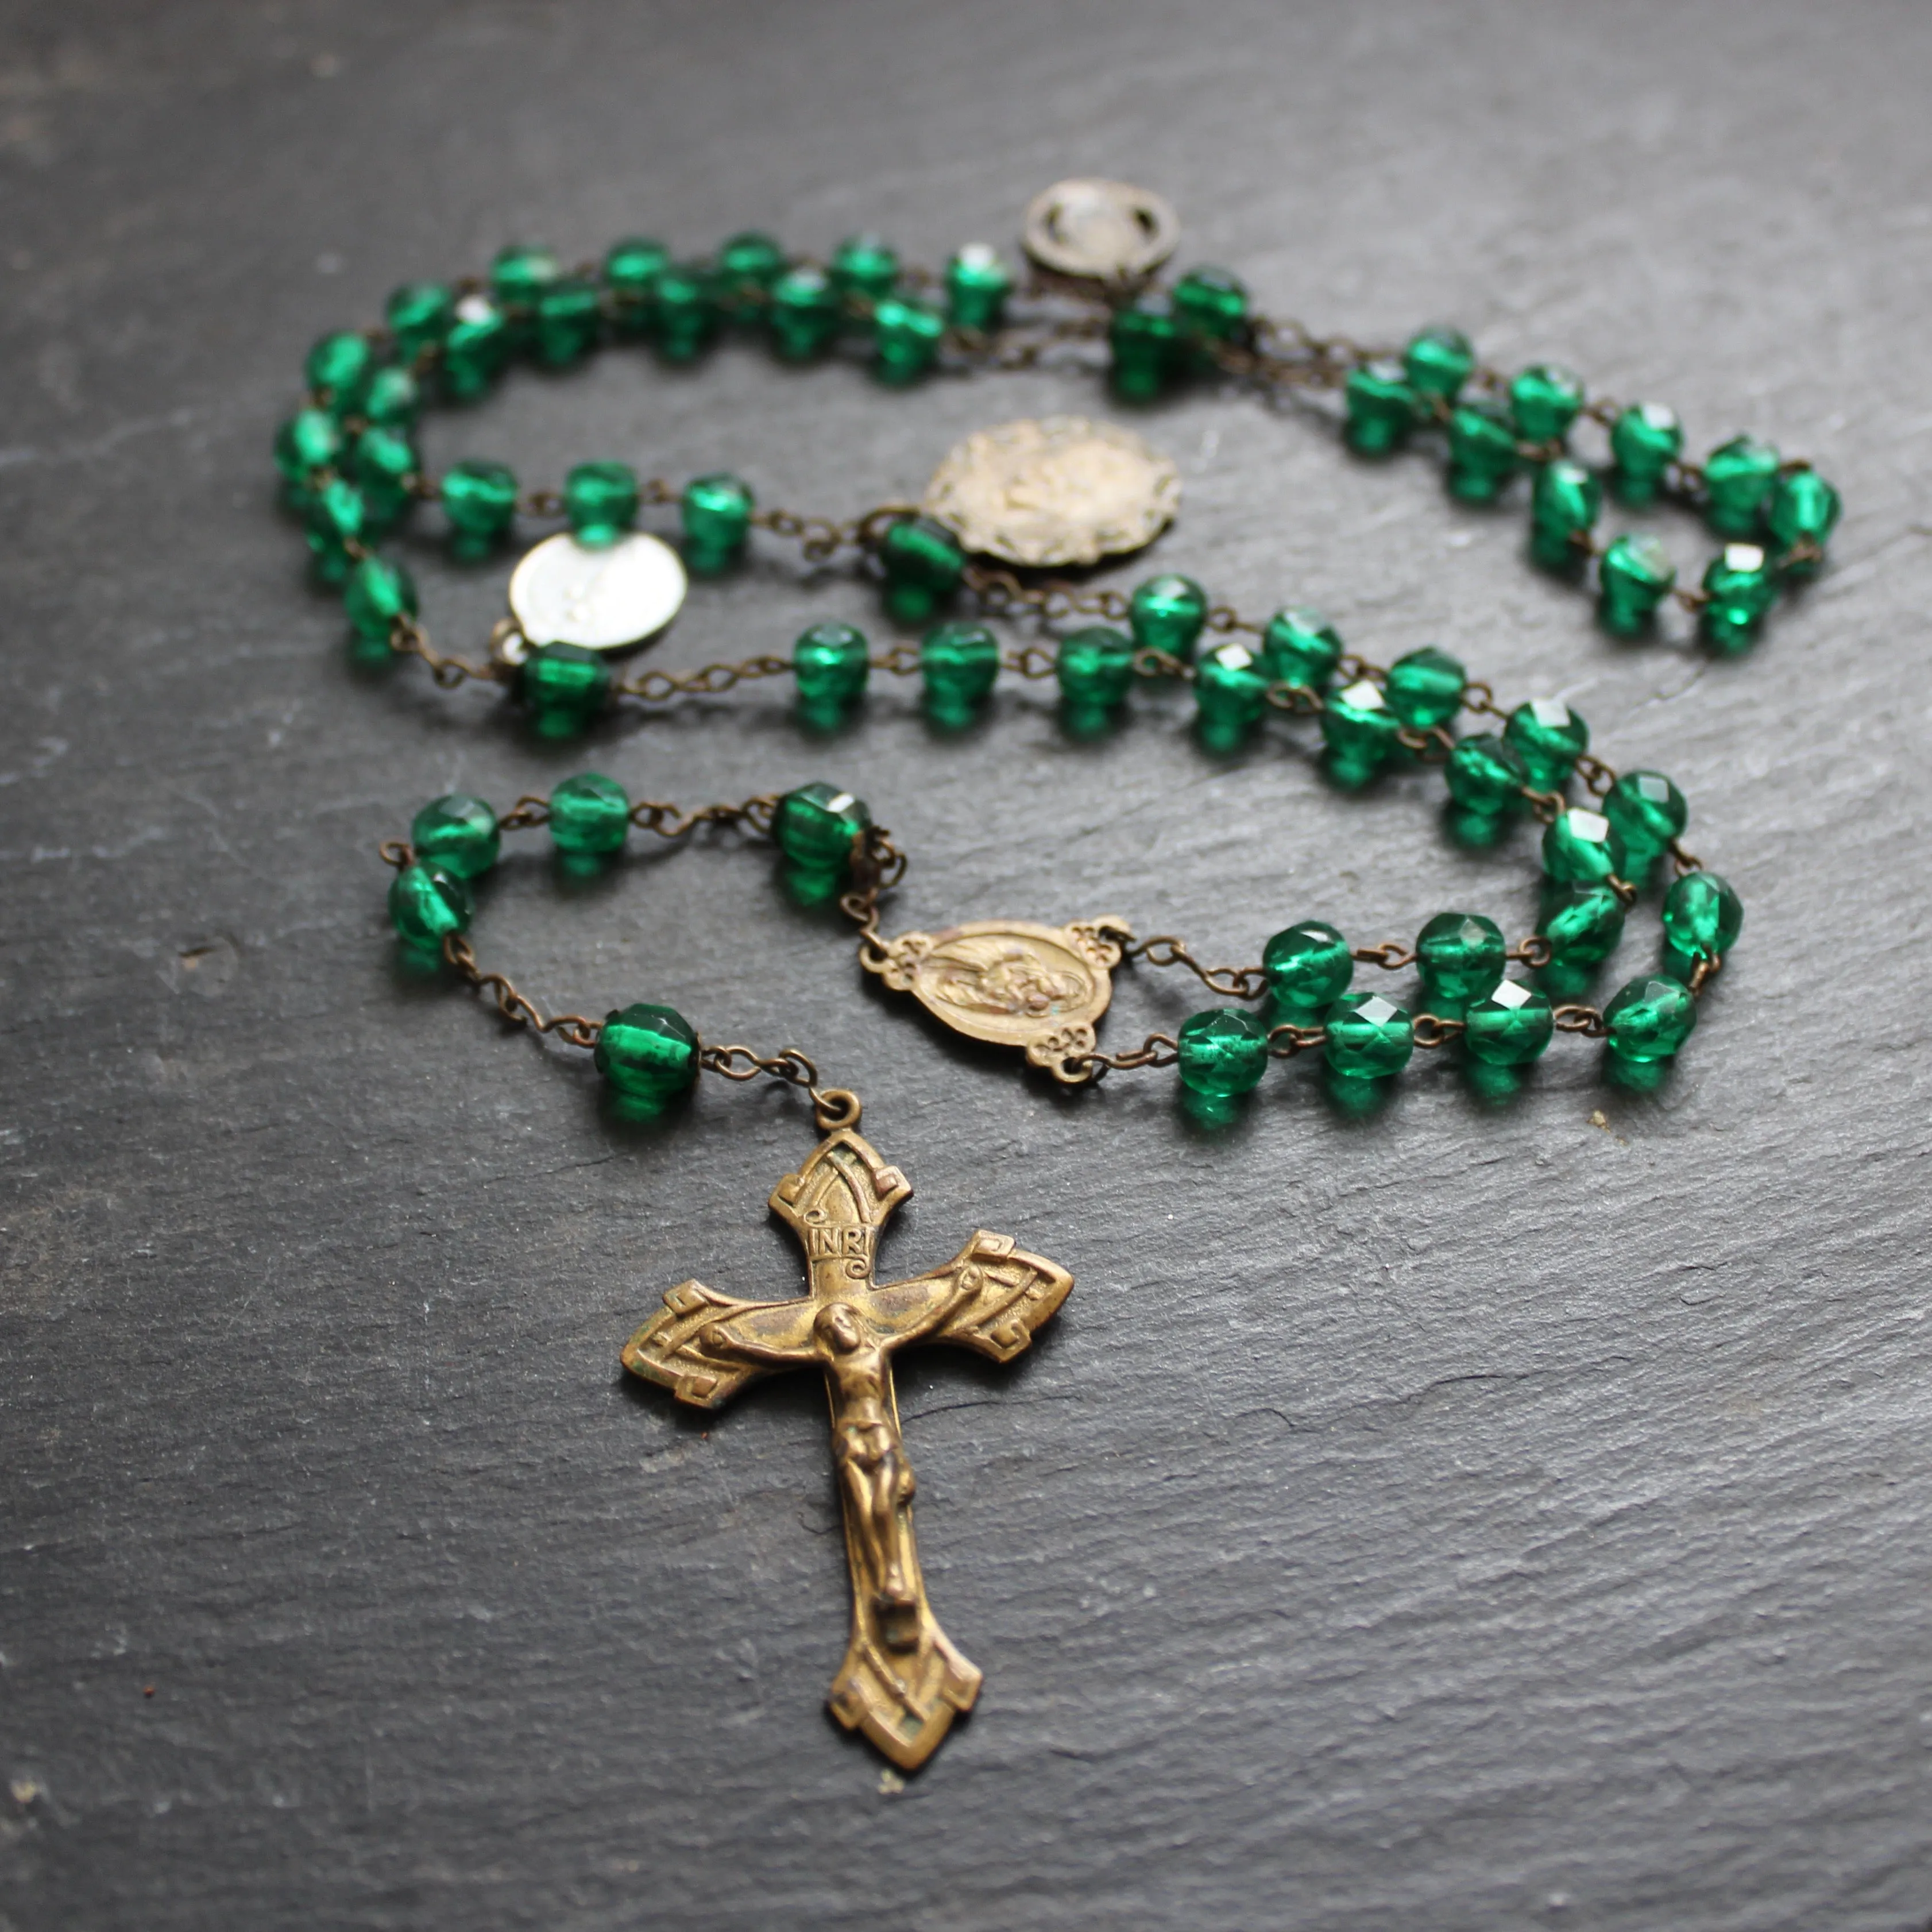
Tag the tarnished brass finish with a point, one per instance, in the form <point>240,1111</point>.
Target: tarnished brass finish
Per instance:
<point>1041,987</point>
<point>1054,491</point>
<point>1100,231</point>
<point>902,1680</point>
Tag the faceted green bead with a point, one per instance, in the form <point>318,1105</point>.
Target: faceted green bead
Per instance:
<point>1168,614</point>
<point>384,467</point>
<point>336,516</point>
<point>1550,737</point>
<point>1230,692</point>
<point>1221,1053</point>
<point>685,313</point>
<point>648,1053</point>
<point>1633,577</point>
<point>310,440</point>
<point>476,350</point>
<point>1360,727</point>
<point>923,563</point>
<point>1544,400</point>
<point>977,284</point>
<point>1648,812</point>
<point>1143,347</point>
<point>818,827</point>
<point>1702,917</point>
<point>1486,775</point>
<point>1738,589</point>
<point>1460,956</point>
<point>338,366</point>
<point>1582,847</point>
<point>457,832</point>
<point>419,314</point>
<point>564,687</point>
<point>748,266</point>
<point>589,816</point>
<point>1482,450</point>
<point>1508,1027</point>
<point>716,512</point>
<point>428,903</point>
<point>831,662</point>
<point>1211,303</point>
<point>1425,688</point>
<point>392,398</point>
<point>1563,504</point>
<point>1095,667</point>
<point>1308,967</point>
<point>1301,647</point>
<point>959,663</point>
<point>1803,509</point>
<point>1738,482</point>
<point>1581,923</point>
<point>569,319</point>
<point>480,500</point>
<point>906,336</point>
<point>1650,1018</point>
<point>1645,439</point>
<point>378,592</point>
<point>601,501</point>
<point>520,273</point>
<point>1381,405</point>
<point>1368,1035</point>
<point>631,271</point>
<point>803,314</point>
<point>1439,362</point>
<point>865,267</point>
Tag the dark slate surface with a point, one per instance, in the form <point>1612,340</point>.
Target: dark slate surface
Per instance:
<point>1469,1516</point>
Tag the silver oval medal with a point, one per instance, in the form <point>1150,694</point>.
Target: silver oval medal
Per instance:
<point>612,598</point>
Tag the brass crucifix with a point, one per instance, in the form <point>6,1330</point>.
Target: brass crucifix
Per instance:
<point>902,1679</point>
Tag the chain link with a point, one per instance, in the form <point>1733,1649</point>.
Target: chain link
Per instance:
<point>574,1028</point>
<point>1239,983</point>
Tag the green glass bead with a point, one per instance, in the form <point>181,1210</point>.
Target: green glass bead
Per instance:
<point>569,319</point>
<point>1221,1053</point>
<point>310,440</point>
<point>376,593</point>
<point>564,687</point>
<point>1650,1018</point>
<point>716,512</point>
<point>1230,692</point>
<point>1738,481</point>
<point>1482,450</point>
<point>1582,847</point>
<point>338,367</point>
<point>1381,406</point>
<point>1369,1036</point>
<point>1301,647</point>
<point>977,284</point>
<point>1510,1027</point>
<point>1143,347</point>
<point>392,398</point>
<point>906,336</point>
<point>480,500</point>
<point>335,516</point>
<point>685,313</point>
<point>385,467</point>
<point>1550,738</point>
<point>457,832</point>
<point>1460,956</point>
<point>1803,509</point>
<point>1633,577</point>
<point>865,267</point>
<point>818,827</point>
<point>1649,812</point>
<point>476,350</point>
<point>1738,590</point>
<point>1439,362</point>
<point>923,563</point>
<point>1702,917</point>
<point>748,266</point>
<point>959,663</point>
<point>428,903</point>
<point>419,314</point>
<point>1308,967</point>
<point>1564,503</point>
<point>803,314</point>
<point>649,1053</point>
<point>520,273</point>
<point>1486,775</point>
<point>1168,614</point>
<point>831,662</point>
<point>601,501</point>
<point>1359,728</point>
<point>1425,688</point>
<point>1544,400</point>
<point>589,816</point>
<point>1095,667</point>
<point>1211,303</point>
<point>1645,439</point>
<point>631,271</point>
<point>1581,923</point>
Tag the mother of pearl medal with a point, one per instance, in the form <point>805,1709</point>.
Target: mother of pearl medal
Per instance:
<point>604,597</point>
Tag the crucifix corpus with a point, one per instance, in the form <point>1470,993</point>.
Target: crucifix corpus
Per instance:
<point>902,1679</point>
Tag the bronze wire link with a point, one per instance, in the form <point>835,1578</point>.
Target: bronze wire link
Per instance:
<point>1166,949</point>
<point>577,1029</point>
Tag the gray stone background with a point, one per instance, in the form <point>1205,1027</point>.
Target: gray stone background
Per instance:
<point>1469,1516</point>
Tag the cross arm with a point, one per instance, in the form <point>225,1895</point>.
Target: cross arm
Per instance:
<point>991,1297</point>
<point>688,1345</point>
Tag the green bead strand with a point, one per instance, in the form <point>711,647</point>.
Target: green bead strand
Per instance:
<point>1143,348</point>
<point>1369,1036</point>
<point>1361,730</point>
<point>977,284</point>
<point>563,687</point>
<point>1582,847</point>
<point>1301,647</point>
<point>428,904</point>
<point>832,662</point>
<point>1738,590</point>
<point>906,336</point>
<point>1544,400</point>
<point>1095,667</point>
<point>376,593</point>
<point>1650,1018</point>
<point>1564,503</point>
<point>1308,967</point>
<point>924,564</point>
<point>1168,614</point>
<point>1550,738</point>
<point>589,816</point>
<point>716,512</point>
<point>819,828</point>
<point>1223,1053</point>
<point>803,314</point>
<point>1437,361</point>
<point>1382,407</point>
<point>1509,1026</point>
<point>958,663</point>
<point>1230,694</point>
<point>1650,815</point>
<point>600,500</point>
<point>1634,575</point>
<point>458,832</point>
<point>1425,688</point>
<point>649,1053</point>
<point>1483,454</point>
<point>1645,439</point>
<point>480,500</point>
<point>1702,917</point>
<point>1738,481</point>
<point>1460,956</point>
<point>1486,775</point>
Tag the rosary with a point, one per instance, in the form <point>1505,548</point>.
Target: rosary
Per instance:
<point>1010,512</point>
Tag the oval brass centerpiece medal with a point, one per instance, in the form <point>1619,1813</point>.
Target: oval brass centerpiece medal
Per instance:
<point>608,597</point>
<point>1054,491</point>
